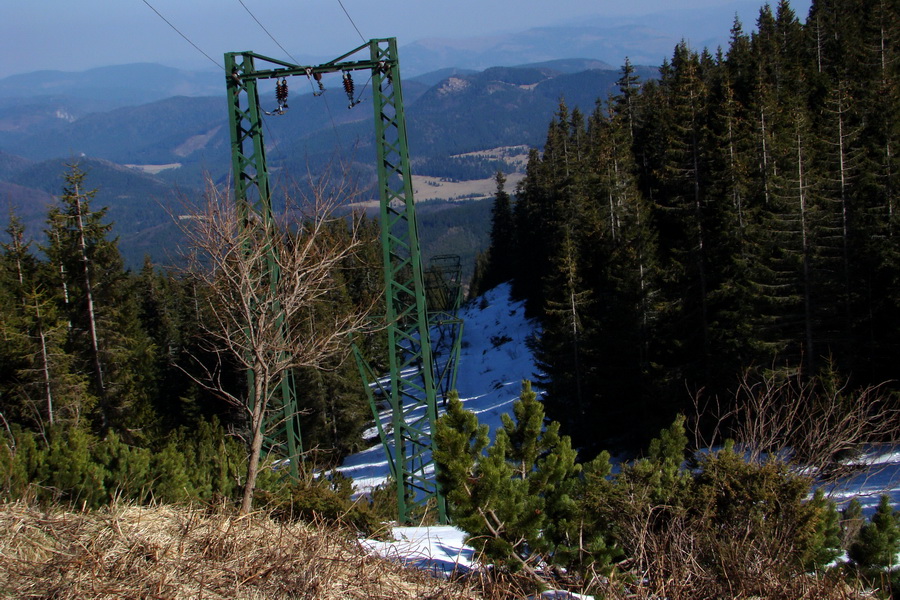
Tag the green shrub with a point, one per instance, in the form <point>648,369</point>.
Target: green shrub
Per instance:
<point>329,499</point>
<point>827,543</point>
<point>728,526</point>
<point>171,481</point>
<point>21,460</point>
<point>852,521</point>
<point>760,510</point>
<point>76,467</point>
<point>878,542</point>
<point>126,469</point>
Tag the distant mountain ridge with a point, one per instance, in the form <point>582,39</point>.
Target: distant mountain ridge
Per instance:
<point>173,144</point>
<point>646,39</point>
<point>119,84</point>
<point>462,112</point>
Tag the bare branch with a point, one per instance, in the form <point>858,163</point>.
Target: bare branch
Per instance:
<point>814,424</point>
<point>274,294</point>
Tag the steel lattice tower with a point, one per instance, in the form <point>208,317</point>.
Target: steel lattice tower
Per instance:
<point>411,390</point>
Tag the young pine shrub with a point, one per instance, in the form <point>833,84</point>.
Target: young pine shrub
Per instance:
<point>874,546</point>
<point>519,499</point>
<point>713,526</point>
<point>757,525</point>
<point>326,499</point>
<point>21,459</point>
<point>878,542</point>
<point>127,469</point>
<point>827,543</point>
<point>852,521</point>
<point>70,470</point>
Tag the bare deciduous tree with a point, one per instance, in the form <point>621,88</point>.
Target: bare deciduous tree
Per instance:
<point>815,424</point>
<point>268,284</point>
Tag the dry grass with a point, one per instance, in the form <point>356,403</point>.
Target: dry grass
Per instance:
<point>679,559</point>
<point>168,552</point>
<point>174,552</point>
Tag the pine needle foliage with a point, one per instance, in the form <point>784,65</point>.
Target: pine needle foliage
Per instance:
<point>517,498</point>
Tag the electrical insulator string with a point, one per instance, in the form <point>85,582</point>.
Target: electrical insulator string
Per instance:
<point>187,39</point>
<point>363,91</point>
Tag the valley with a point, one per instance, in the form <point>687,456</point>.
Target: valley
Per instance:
<point>147,158</point>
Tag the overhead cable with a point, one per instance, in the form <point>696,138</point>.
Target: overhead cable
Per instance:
<point>267,32</point>
<point>184,36</point>
<point>351,22</point>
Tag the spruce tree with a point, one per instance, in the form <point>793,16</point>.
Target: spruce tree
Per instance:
<point>683,213</point>
<point>879,539</point>
<point>96,297</point>
<point>559,348</point>
<point>41,387</point>
<point>501,255</point>
<point>18,266</point>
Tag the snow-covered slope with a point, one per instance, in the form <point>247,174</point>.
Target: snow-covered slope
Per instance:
<point>879,473</point>
<point>494,361</point>
<point>492,365</point>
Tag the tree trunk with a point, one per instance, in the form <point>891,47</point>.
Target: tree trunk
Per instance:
<point>257,434</point>
<point>92,317</point>
<point>45,362</point>
<point>252,466</point>
<point>62,279</point>
<point>806,251</point>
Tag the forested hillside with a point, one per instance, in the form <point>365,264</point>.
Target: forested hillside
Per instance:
<point>146,154</point>
<point>115,383</point>
<point>735,218</point>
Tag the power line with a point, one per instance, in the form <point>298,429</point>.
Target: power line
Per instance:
<point>267,32</point>
<point>327,107</point>
<point>283,49</point>
<point>352,23</point>
<point>184,36</point>
<point>337,137</point>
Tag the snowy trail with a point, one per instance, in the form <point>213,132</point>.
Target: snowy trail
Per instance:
<point>493,362</point>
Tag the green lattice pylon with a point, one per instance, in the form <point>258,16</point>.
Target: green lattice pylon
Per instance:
<point>253,198</point>
<point>410,388</point>
<point>444,295</point>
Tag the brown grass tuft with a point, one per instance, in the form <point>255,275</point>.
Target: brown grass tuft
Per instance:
<point>176,552</point>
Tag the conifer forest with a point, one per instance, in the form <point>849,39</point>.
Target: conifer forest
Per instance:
<point>116,384</point>
<point>733,221</point>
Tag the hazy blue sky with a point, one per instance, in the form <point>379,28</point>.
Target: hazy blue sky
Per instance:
<point>73,35</point>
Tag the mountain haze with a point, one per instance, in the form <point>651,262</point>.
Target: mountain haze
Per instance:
<point>122,84</point>
<point>646,39</point>
<point>141,156</point>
